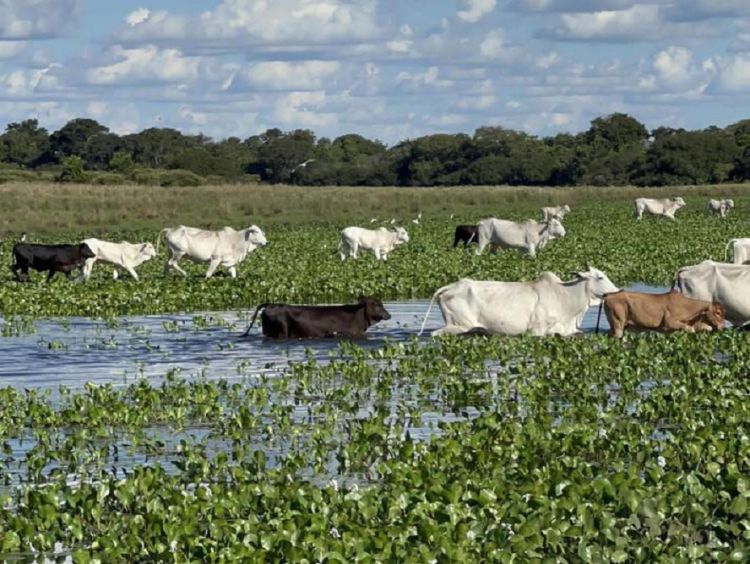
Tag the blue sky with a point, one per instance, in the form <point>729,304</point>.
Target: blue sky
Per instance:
<point>386,69</point>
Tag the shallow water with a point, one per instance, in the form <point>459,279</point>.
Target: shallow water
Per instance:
<point>75,350</point>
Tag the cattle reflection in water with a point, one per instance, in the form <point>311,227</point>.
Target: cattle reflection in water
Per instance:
<point>283,321</point>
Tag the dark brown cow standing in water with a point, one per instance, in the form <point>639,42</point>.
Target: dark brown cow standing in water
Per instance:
<point>661,312</point>
<point>282,321</point>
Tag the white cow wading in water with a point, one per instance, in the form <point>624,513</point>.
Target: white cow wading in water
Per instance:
<point>379,241</point>
<point>546,306</point>
<point>225,247</point>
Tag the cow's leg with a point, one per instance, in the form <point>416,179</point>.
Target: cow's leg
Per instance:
<point>130,270</point>
<point>51,274</point>
<point>343,250</point>
<point>212,266</point>
<point>232,271</point>
<point>449,330</point>
<point>85,272</point>
<point>172,263</point>
<point>353,248</point>
<point>532,251</point>
<point>378,253</point>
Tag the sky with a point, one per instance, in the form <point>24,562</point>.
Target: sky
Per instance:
<point>385,69</point>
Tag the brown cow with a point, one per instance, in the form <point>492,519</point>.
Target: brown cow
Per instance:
<point>663,312</point>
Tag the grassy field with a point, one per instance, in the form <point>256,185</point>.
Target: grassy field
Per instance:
<point>57,208</point>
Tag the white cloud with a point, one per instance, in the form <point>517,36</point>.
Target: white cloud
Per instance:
<point>290,23</point>
<point>284,75</point>
<point>475,10</point>
<point>303,110</point>
<point>696,10</point>
<point>38,19</point>
<point>137,17</point>
<point>145,64</point>
<point>733,75</point>
<point>632,23</point>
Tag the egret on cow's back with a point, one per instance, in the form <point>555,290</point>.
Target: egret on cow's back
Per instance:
<point>225,247</point>
<point>545,306</point>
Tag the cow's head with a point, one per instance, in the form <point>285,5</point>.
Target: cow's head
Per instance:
<point>716,315</point>
<point>555,229</point>
<point>255,236</point>
<point>597,284</point>
<point>729,203</point>
<point>85,251</point>
<point>374,309</point>
<point>566,208</point>
<point>401,236</point>
<point>147,251</point>
<point>678,201</point>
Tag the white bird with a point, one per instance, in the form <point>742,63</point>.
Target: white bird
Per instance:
<point>393,220</point>
<point>452,215</point>
<point>373,220</point>
<point>415,221</point>
<point>304,164</point>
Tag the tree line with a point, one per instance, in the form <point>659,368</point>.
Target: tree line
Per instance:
<point>616,150</point>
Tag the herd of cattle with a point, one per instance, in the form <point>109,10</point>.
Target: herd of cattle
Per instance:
<point>710,293</point>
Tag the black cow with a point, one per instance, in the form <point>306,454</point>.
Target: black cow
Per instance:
<point>54,258</point>
<point>282,321</point>
<point>466,234</point>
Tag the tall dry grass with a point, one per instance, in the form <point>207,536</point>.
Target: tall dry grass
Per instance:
<point>53,208</point>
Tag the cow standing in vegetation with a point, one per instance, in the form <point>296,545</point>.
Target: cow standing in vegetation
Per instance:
<point>51,258</point>
<point>720,207</point>
<point>664,206</point>
<point>123,254</point>
<point>529,235</point>
<point>380,241</point>
<point>465,234</point>
<point>225,247</point>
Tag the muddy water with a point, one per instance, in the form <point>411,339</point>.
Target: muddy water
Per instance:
<point>73,351</point>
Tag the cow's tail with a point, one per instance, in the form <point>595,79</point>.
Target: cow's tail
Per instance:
<point>159,237</point>
<point>252,321</point>
<point>726,248</point>
<point>435,296</point>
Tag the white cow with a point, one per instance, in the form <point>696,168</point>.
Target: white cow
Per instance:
<point>123,254</point>
<point>721,207</point>
<point>555,212</point>
<point>658,206</point>
<point>728,284</point>
<point>225,247</point>
<point>546,306</point>
<point>740,250</point>
<point>380,241</point>
<point>529,235</point>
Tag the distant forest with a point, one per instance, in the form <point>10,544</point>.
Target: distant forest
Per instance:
<point>616,150</point>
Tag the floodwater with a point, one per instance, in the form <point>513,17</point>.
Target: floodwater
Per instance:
<point>76,350</point>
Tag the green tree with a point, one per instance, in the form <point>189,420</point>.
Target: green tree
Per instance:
<point>279,156</point>
<point>121,163</point>
<point>24,143</point>
<point>71,138</point>
<point>72,170</point>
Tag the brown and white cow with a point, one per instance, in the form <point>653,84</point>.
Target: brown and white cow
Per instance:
<point>661,312</point>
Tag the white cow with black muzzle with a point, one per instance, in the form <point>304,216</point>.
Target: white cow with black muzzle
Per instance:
<point>380,241</point>
<point>546,306</point>
<point>225,247</point>
<point>529,235</point>
<point>123,254</point>
<point>658,206</point>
